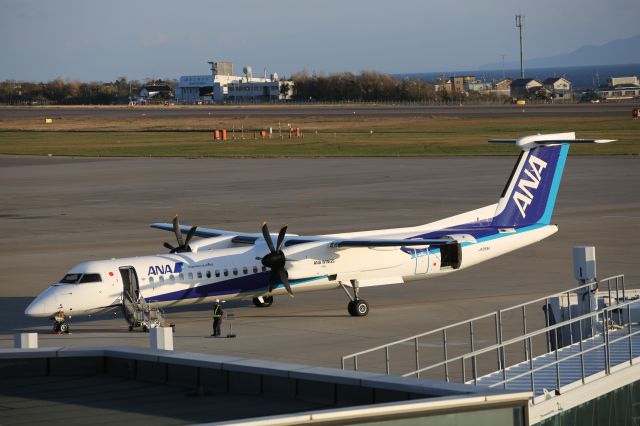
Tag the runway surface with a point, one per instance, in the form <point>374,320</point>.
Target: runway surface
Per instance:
<point>372,110</point>
<point>57,212</point>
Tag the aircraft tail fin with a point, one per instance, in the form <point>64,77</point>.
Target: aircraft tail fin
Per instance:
<point>530,193</point>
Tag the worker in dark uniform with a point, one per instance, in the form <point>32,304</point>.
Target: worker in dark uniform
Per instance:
<point>217,318</point>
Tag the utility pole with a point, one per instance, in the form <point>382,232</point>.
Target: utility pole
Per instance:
<point>503,73</point>
<point>519,25</point>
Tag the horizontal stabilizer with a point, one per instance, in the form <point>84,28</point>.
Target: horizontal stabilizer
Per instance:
<point>532,141</point>
<point>555,142</point>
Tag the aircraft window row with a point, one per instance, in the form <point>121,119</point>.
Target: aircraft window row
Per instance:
<point>75,278</point>
<point>81,278</point>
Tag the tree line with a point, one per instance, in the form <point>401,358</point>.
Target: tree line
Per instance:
<point>67,92</point>
<point>368,86</point>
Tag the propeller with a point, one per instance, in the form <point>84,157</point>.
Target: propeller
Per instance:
<point>275,259</point>
<point>183,245</point>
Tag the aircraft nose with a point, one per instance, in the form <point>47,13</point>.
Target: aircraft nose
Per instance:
<point>38,308</point>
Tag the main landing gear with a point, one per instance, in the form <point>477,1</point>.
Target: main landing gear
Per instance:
<point>263,301</point>
<point>357,307</point>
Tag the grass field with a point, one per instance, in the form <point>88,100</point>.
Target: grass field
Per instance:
<point>323,136</point>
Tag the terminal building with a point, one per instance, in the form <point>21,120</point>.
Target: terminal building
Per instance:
<point>223,86</point>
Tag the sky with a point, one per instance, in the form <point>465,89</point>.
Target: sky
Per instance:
<point>92,40</point>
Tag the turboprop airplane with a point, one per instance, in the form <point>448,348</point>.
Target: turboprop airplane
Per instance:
<point>233,265</point>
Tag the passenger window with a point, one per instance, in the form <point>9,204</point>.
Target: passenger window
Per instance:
<point>217,272</point>
<point>199,274</point>
<point>181,276</point>
<point>208,274</point>
<point>235,271</point>
<point>151,279</point>
<point>171,277</point>
<point>190,275</point>
<point>245,270</point>
<point>161,279</point>
<point>226,272</point>
<point>255,269</point>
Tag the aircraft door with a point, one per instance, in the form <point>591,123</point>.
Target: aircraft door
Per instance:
<point>422,261</point>
<point>130,284</point>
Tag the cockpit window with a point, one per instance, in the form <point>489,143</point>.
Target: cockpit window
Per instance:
<point>71,278</point>
<point>81,278</point>
<point>90,278</point>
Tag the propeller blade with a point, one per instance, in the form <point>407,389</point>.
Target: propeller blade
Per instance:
<point>169,246</point>
<point>190,234</point>
<point>272,280</point>
<point>176,230</point>
<point>281,235</point>
<point>284,277</point>
<point>267,237</point>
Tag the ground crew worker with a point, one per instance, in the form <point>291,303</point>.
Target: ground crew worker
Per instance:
<point>217,318</point>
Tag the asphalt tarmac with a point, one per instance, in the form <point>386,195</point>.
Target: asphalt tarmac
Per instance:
<point>56,212</point>
<point>365,110</point>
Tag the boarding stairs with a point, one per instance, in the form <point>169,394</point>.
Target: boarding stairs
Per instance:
<point>585,333</point>
<point>140,314</point>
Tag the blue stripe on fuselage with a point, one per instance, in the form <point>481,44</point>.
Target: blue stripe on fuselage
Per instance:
<point>249,283</point>
<point>478,230</point>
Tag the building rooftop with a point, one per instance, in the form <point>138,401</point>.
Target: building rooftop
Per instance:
<point>104,385</point>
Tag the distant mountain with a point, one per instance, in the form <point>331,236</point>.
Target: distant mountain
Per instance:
<point>624,51</point>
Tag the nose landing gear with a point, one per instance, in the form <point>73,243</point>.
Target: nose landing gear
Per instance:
<point>60,325</point>
<point>357,307</point>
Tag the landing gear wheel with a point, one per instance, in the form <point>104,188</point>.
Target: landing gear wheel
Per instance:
<point>64,328</point>
<point>263,302</point>
<point>130,328</point>
<point>358,308</point>
<point>351,307</point>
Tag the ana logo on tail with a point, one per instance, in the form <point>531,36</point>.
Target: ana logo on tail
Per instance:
<point>524,197</point>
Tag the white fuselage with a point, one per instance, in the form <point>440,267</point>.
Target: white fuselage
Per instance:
<point>225,270</point>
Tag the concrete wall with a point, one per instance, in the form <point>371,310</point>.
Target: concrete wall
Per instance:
<point>223,374</point>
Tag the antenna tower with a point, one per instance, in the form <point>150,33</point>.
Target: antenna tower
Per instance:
<point>520,25</point>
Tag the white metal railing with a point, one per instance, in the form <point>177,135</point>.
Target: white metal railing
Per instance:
<point>603,316</point>
<point>615,290</point>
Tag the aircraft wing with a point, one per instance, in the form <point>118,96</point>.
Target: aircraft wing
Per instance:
<point>293,240</point>
<point>203,232</point>
<point>390,243</point>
